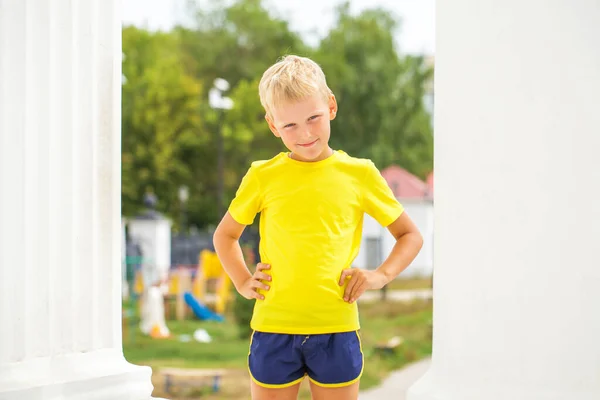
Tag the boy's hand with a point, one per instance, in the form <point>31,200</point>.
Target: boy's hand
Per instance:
<point>248,289</point>
<point>361,280</point>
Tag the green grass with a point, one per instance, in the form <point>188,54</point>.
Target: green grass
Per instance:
<point>225,351</point>
<point>379,321</point>
<point>382,321</point>
<point>410,284</point>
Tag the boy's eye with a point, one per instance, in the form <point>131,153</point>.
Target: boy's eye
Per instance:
<point>289,125</point>
<point>314,117</point>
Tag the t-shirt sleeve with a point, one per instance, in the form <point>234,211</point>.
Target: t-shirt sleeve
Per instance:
<point>378,200</point>
<point>248,199</point>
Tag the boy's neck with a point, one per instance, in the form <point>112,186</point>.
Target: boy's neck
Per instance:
<point>326,154</point>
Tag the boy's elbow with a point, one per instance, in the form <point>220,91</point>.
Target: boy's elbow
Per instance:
<point>415,238</point>
<point>419,240</point>
<point>219,236</point>
<point>215,238</point>
<point>227,231</point>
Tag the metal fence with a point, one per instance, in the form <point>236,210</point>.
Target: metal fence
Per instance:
<point>185,248</point>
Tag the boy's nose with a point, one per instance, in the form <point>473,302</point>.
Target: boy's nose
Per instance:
<point>307,134</point>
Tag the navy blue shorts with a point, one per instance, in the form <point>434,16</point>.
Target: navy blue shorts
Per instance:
<point>330,360</point>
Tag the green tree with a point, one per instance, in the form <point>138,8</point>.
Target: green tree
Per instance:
<point>237,42</point>
<point>380,93</point>
<point>160,119</point>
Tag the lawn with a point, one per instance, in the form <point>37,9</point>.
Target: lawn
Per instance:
<point>380,322</point>
<point>410,284</point>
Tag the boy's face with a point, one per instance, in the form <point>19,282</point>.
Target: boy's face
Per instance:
<point>304,128</point>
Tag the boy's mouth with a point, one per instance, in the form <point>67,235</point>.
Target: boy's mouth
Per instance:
<point>308,144</point>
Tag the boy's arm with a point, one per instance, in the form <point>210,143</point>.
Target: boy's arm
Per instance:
<point>226,241</point>
<point>408,244</point>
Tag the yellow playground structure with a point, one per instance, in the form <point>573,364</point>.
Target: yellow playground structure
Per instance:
<point>209,275</point>
<point>210,269</point>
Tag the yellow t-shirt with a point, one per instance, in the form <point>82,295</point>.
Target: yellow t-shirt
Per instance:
<point>311,216</point>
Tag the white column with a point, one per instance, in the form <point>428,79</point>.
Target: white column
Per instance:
<point>517,194</point>
<point>60,270</point>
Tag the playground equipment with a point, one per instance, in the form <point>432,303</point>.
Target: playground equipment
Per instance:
<point>200,310</point>
<point>180,282</point>
<point>179,378</point>
<point>153,314</point>
<point>181,288</point>
<point>210,269</point>
<point>187,290</point>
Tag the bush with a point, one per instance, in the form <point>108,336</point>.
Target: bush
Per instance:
<point>242,313</point>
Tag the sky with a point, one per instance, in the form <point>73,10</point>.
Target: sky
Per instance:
<point>311,18</point>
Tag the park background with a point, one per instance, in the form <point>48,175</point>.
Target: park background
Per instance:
<point>191,125</point>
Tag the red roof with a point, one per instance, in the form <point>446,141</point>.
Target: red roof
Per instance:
<point>430,183</point>
<point>404,184</point>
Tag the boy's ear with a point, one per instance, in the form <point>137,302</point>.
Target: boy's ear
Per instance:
<point>333,107</point>
<point>272,126</point>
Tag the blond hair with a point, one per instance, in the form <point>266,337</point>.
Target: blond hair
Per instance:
<point>292,78</point>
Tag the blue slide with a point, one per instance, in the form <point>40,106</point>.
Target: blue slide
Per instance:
<point>200,310</point>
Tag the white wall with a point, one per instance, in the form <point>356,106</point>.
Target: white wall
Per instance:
<point>371,228</point>
<point>517,265</point>
<point>421,212</point>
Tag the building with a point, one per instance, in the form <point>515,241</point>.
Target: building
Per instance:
<point>417,198</point>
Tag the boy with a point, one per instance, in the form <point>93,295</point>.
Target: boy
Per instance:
<point>312,200</point>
